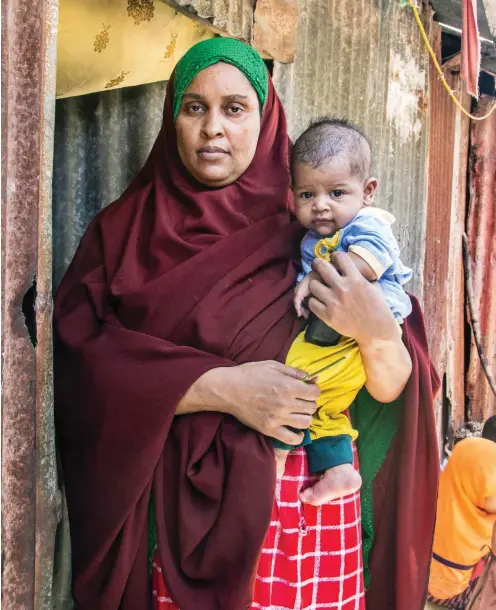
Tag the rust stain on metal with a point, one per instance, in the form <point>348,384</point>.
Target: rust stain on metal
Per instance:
<point>481,229</point>
<point>423,104</point>
<point>455,386</point>
<point>28,466</point>
<point>443,270</point>
<point>439,201</point>
<point>21,30</point>
<point>275,28</point>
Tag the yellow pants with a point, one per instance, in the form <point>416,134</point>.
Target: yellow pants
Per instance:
<point>339,383</point>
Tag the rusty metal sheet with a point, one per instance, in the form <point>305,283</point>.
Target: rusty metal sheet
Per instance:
<point>28,465</point>
<point>444,299</point>
<point>21,37</point>
<point>48,501</point>
<point>366,61</point>
<point>275,27</point>
<point>456,322</point>
<point>439,201</point>
<point>270,25</point>
<point>231,17</point>
<point>481,229</point>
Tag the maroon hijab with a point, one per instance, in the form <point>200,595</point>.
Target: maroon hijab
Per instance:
<point>170,281</point>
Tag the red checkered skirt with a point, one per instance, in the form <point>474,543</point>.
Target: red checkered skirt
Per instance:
<point>311,558</point>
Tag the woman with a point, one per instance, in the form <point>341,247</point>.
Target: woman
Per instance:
<point>466,516</point>
<point>172,325</point>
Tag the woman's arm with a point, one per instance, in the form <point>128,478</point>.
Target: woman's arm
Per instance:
<point>388,367</point>
<point>356,308</point>
<point>266,396</point>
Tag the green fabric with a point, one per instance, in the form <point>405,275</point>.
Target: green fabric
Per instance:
<point>212,51</point>
<point>280,445</point>
<point>329,452</point>
<point>377,424</point>
<point>152,534</point>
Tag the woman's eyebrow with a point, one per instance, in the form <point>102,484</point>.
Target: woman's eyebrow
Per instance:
<point>235,97</point>
<point>193,96</point>
<point>228,98</point>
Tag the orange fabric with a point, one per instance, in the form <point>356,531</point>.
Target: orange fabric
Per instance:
<point>463,529</point>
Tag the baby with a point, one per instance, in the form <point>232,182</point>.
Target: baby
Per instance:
<point>333,193</point>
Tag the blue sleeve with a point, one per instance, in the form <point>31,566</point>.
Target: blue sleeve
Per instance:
<point>375,236</point>
<point>307,255</point>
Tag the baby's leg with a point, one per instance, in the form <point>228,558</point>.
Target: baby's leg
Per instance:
<point>336,482</point>
<point>280,455</point>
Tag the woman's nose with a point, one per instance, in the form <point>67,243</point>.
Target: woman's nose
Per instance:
<point>213,125</point>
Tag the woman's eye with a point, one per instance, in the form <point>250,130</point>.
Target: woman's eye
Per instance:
<point>337,194</point>
<point>195,108</point>
<point>306,195</point>
<point>235,110</point>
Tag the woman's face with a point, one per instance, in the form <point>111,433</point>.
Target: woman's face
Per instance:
<point>218,125</point>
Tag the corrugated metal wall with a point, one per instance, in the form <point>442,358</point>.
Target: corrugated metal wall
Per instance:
<point>444,303</point>
<point>481,229</point>
<point>101,141</point>
<point>365,60</point>
<point>234,17</point>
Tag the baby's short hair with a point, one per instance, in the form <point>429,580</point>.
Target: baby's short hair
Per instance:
<point>328,137</point>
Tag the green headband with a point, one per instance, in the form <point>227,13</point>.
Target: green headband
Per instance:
<point>212,51</point>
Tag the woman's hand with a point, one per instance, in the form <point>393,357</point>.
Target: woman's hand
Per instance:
<point>350,304</point>
<point>266,396</point>
<point>356,308</point>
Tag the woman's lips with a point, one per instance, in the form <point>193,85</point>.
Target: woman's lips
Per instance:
<point>212,153</point>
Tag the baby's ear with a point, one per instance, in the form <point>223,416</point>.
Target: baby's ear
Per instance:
<point>369,191</point>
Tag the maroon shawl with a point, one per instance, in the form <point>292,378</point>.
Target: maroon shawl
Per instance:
<point>405,488</point>
<point>170,281</point>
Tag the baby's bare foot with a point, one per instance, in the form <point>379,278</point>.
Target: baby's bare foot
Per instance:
<point>280,455</point>
<point>335,483</point>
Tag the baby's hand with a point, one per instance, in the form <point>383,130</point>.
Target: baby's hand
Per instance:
<point>302,291</point>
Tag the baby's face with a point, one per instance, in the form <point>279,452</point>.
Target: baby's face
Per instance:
<point>328,197</point>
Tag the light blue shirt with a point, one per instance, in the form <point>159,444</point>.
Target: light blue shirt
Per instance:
<point>369,235</point>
